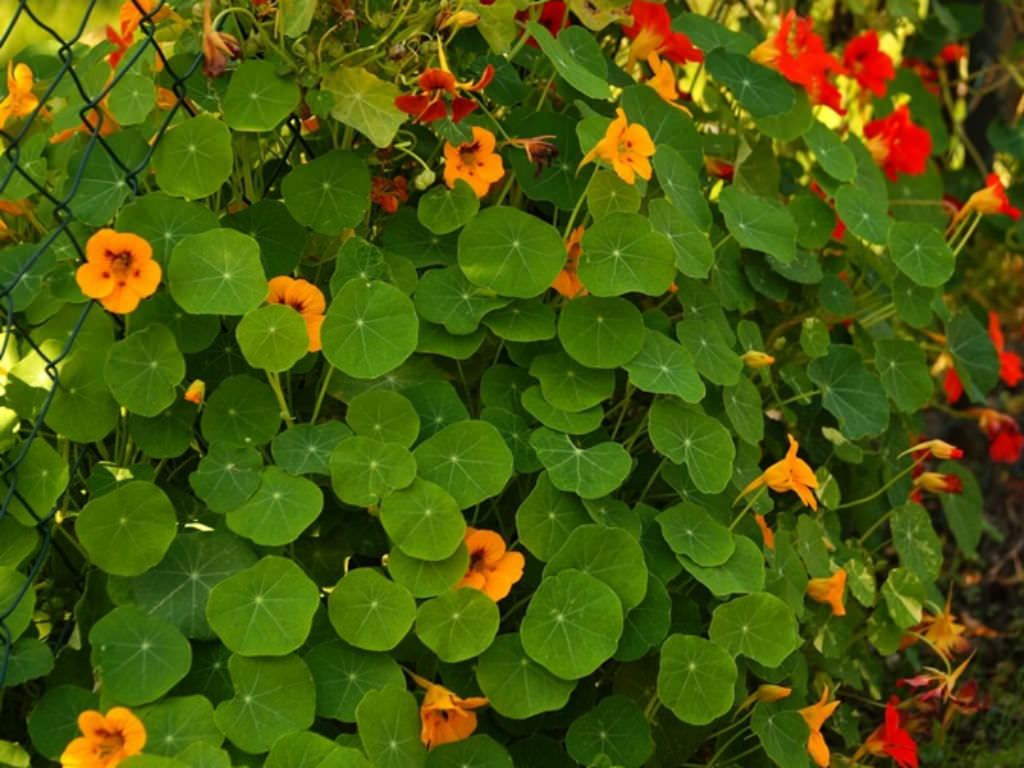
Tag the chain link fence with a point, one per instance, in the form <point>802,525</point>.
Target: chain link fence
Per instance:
<point>60,222</point>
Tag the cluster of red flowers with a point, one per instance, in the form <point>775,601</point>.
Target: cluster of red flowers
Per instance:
<point>867,64</point>
<point>898,144</point>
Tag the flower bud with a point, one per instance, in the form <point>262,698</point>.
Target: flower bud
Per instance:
<point>196,392</point>
<point>756,359</point>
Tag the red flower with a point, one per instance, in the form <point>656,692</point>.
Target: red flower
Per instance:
<point>952,52</point>
<point>800,56</point>
<point>389,193</point>
<point>122,40</point>
<point>553,17</point>
<point>867,64</point>
<point>1004,437</point>
<point>651,32</point>
<point>430,103</point>
<point>891,740</point>
<point>840,228</point>
<point>898,145</point>
<point>1009,363</point>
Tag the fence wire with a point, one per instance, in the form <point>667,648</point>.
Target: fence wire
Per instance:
<point>16,330</point>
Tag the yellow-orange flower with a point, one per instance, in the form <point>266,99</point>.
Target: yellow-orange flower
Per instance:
<point>664,81</point>
<point>19,101</point>
<point>790,474</point>
<point>815,716</point>
<point>305,298</point>
<point>755,359</point>
<point>943,632</point>
<point>940,449</point>
<point>475,162</point>
<point>492,569</point>
<point>119,270</point>
<point>626,146</point>
<point>106,740</point>
<point>830,590</point>
<point>567,282</point>
<point>444,716</point>
<point>766,693</point>
<point>767,534</point>
<point>196,392</point>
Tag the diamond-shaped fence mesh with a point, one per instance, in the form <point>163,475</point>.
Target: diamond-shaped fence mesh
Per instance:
<point>59,231</point>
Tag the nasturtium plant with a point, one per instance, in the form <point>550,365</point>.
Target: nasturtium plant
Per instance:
<point>479,385</point>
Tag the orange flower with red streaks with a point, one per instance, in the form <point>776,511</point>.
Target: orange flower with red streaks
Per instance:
<point>119,270</point>
<point>567,282</point>
<point>445,717</point>
<point>867,63</point>
<point>651,32</point>
<point>492,568</point>
<point>799,55</point>
<point>106,740</point>
<point>475,162</point>
<point>898,145</point>
<point>305,298</point>
<point>438,95</point>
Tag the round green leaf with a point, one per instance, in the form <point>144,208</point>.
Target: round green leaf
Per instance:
<point>143,370</point>
<point>40,479</point>
<point>178,587</point>
<point>783,733</point>
<point>916,542</point>
<point>265,610</point>
<point>580,423</point>
<point>479,751</point>
<point>443,210</point>
<point>664,367</point>
<point>445,296</point>
<point>694,255</point>
<point>510,252</point>
<point>273,337</point>
<point>616,728</point>
<point>622,253</point>
<point>369,329</point>
<point>458,625</point>
<point>590,472</point>
<point>711,352</point>
<point>82,409</point>
<point>569,386</point>
<point>759,626</point>
<point>424,578</point>
<point>745,409</point>
<point>273,698</point>
<point>601,333</point>
<point>974,354</point>
<point>468,459</point>
<point>388,723</point>
<point>162,221</point>
<point>53,722</point>
<point>759,223</point>
<point>695,679</point>
<point>365,470</point>
<point>281,237</point>
<point>424,521</point>
<point>832,155</point>
<point>762,91</point>
<point>311,750</point>
<point>132,98</point>
<point>851,393</point>
<point>127,531</point>
<point>608,554</point>
<point>242,411</point>
<point>921,253</point>
<point>344,674</point>
<point>329,193</point>
<point>864,214</point>
<point>689,437</point>
<point>646,626</point>
<point>743,572</point>
<point>281,509</point>
<point>16,602</point>
<point>306,449</point>
<point>523,321</point>
<point>904,373</point>
<point>369,611</point>
<point>691,531</point>
<point>175,723</point>
<point>383,415</point>
<point>227,475</point>
<point>547,516</point>
<point>217,272</point>
<point>572,624</point>
<point>257,98</point>
<point>194,158</point>
<point>517,686</point>
<point>139,656</point>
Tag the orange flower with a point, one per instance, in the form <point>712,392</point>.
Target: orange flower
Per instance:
<point>829,591</point>
<point>567,282</point>
<point>664,82</point>
<point>789,474</point>
<point>98,119</point>
<point>766,693</point>
<point>627,147</point>
<point>106,740</point>
<point>445,717</point>
<point>132,12</point>
<point>492,569</point>
<point>815,716</point>
<point>119,270</point>
<point>305,298</point>
<point>767,534</point>
<point>988,200</point>
<point>754,359</point>
<point>218,47</point>
<point>196,392</point>
<point>19,101</point>
<point>474,162</point>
